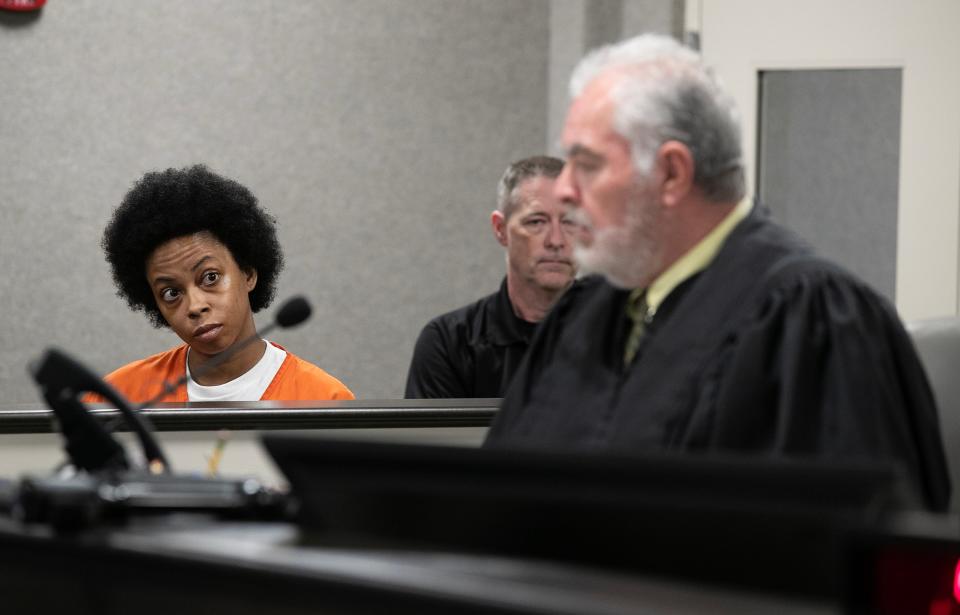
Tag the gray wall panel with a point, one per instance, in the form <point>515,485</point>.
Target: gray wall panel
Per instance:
<point>576,26</point>
<point>829,163</point>
<point>374,130</point>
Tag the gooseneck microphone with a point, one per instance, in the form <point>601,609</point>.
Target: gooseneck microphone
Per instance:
<point>89,445</point>
<point>293,312</point>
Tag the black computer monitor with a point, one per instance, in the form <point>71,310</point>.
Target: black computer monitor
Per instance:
<point>748,520</point>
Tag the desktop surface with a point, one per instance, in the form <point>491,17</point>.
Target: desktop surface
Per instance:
<point>187,564</point>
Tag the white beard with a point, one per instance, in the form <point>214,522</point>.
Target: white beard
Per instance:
<point>627,255</point>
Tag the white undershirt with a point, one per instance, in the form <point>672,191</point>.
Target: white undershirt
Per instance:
<point>248,387</point>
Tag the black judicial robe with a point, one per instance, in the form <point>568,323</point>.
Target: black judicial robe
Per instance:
<point>769,350</point>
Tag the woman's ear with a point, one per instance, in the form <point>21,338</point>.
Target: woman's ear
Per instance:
<point>251,275</point>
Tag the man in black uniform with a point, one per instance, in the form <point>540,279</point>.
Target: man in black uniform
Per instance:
<point>473,351</point>
<point>712,328</point>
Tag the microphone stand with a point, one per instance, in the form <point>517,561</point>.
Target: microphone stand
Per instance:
<point>220,359</point>
<point>109,487</point>
<point>293,312</point>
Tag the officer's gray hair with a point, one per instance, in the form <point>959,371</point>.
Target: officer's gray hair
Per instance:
<point>517,172</point>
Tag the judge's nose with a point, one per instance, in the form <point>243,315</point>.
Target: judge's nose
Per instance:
<point>565,189</point>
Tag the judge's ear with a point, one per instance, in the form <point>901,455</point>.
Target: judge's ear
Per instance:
<point>499,224</point>
<point>675,162</point>
<point>251,278</point>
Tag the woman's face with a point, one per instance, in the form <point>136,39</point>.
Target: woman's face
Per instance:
<point>202,292</point>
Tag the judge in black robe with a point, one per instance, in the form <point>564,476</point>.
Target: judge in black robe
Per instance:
<point>755,344</point>
<point>768,350</point>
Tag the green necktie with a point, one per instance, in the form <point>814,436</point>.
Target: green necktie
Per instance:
<point>639,313</point>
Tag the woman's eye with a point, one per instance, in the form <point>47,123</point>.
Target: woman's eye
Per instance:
<point>210,277</point>
<point>169,294</point>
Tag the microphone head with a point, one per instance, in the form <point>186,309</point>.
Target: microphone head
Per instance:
<point>293,312</point>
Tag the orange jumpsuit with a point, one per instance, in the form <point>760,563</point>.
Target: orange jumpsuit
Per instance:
<point>295,380</point>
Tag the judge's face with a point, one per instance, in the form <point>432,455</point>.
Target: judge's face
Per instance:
<point>615,206</point>
<point>537,236</point>
<point>202,292</point>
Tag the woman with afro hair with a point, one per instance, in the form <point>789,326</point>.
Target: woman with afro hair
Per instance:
<point>195,253</point>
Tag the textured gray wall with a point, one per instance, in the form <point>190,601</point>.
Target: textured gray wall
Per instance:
<point>576,26</point>
<point>829,152</point>
<point>375,131</point>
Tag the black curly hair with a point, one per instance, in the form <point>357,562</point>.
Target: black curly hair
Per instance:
<point>165,205</point>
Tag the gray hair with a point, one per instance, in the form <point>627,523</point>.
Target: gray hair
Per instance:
<point>663,91</point>
<point>517,172</point>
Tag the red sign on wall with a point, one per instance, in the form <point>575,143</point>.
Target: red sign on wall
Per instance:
<point>21,5</point>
